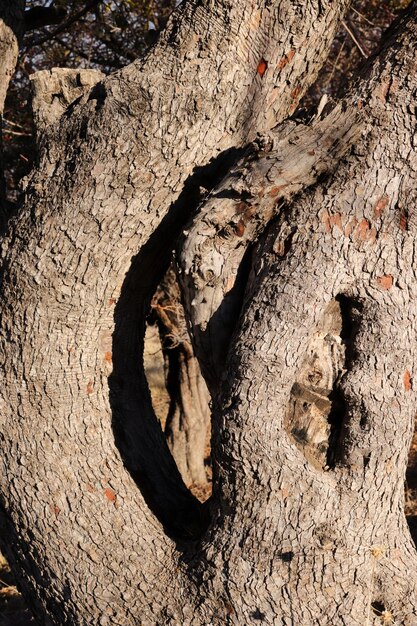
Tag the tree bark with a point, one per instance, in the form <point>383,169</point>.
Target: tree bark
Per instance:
<point>330,500</point>
<point>119,174</point>
<point>188,420</point>
<point>215,250</point>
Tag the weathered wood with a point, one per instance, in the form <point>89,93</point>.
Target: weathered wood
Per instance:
<point>213,268</point>
<point>53,91</point>
<point>116,176</point>
<point>188,418</point>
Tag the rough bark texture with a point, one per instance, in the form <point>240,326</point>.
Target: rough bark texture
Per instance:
<point>11,29</point>
<point>291,541</point>
<point>342,551</point>
<point>53,91</point>
<point>214,251</point>
<point>79,264</point>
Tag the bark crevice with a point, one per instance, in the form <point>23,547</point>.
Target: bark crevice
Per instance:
<point>349,309</point>
<point>137,432</point>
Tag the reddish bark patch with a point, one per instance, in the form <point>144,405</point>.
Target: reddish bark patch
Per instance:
<point>275,190</point>
<point>380,205</point>
<point>325,218</point>
<point>350,227</point>
<point>407,380</point>
<point>108,357</point>
<point>55,509</point>
<point>229,609</point>
<point>383,91</point>
<point>385,282</point>
<point>295,93</point>
<point>262,66</point>
<point>279,247</point>
<point>90,387</point>
<point>336,220</point>
<point>249,213</point>
<point>330,220</point>
<point>110,495</point>
<point>285,60</point>
<point>361,231</point>
<point>112,301</point>
<point>240,228</point>
<point>241,207</point>
<point>404,220</point>
<point>388,89</point>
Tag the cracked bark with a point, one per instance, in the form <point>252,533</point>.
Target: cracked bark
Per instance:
<point>118,176</point>
<point>342,550</point>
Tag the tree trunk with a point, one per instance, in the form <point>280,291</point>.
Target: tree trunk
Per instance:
<point>188,418</point>
<point>312,435</point>
<point>305,528</point>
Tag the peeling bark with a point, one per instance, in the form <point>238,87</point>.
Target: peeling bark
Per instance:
<point>53,91</point>
<point>342,552</point>
<point>188,420</point>
<point>213,251</point>
<point>117,176</point>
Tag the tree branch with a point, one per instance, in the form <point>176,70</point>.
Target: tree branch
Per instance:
<point>63,27</point>
<point>288,160</point>
<point>38,17</point>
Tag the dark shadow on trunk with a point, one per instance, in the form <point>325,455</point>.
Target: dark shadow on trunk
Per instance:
<point>137,432</point>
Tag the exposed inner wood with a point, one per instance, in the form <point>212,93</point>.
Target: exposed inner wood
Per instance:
<point>307,417</point>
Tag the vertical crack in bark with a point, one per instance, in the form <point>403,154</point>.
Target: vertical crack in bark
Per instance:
<point>317,411</point>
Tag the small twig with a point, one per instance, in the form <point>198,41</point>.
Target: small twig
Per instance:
<point>363,17</point>
<point>334,65</point>
<point>17,134</point>
<point>12,123</point>
<point>354,39</point>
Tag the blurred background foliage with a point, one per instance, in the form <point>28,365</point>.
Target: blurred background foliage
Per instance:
<point>99,34</point>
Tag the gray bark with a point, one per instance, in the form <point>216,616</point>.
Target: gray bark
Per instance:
<point>342,551</point>
<point>213,251</point>
<point>11,30</point>
<point>292,540</point>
